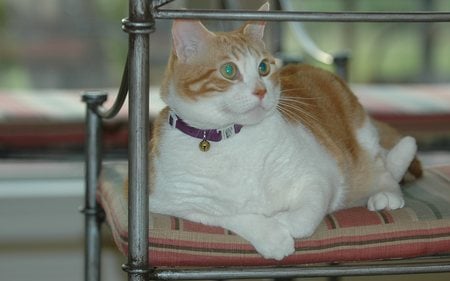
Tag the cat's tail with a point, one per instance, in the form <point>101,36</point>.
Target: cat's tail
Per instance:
<point>400,157</point>
<point>400,149</point>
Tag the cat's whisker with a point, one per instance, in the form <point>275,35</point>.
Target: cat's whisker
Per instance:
<point>292,113</point>
<point>294,102</point>
<point>302,106</point>
<point>298,109</point>
<point>298,98</point>
<point>297,103</point>
<point>299,118</point>
<point>288,116</point>
<point>291,117</point>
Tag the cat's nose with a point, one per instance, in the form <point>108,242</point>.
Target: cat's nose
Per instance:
<point>260,93</point>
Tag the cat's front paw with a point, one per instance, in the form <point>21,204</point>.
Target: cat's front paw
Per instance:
<point>385,200</point>
<point>277,244</point>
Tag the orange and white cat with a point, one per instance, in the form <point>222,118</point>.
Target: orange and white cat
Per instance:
<point>262,150</point>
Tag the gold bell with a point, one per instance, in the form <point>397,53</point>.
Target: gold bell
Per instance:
<point>204,145</point>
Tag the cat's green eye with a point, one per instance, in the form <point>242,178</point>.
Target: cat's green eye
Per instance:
<point>229,70</point>
<point>264,68</point>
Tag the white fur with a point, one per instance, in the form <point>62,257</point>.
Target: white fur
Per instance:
<point>368,138</point>
<point>390,167</point>
<point>270,178</point>
<point>272,182</point>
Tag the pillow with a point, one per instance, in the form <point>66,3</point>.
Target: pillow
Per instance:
<point>421,228</point>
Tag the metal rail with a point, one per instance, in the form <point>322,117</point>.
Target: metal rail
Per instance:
<point>92,210</point>
<point>302,16</point>
<point>160,3</point>
<point>303,38</point>
<point>139,25</point>
<point>120,98</point>
<point>297,272</point>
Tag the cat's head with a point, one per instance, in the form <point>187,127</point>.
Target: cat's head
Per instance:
<point>217,79</point>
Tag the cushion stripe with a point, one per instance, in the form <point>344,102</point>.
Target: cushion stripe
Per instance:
<point>421,228</point>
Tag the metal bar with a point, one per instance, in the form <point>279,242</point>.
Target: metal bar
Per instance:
<point>160,3</point>
<point>120,98</point>
<point>297,272</point>
<point>92,211</point>
<point>302,16</point>
<point>304,39</point>
<point>340,62</point>
<point>138,25</point>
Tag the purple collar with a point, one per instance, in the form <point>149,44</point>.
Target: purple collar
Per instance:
<point>214,135</point>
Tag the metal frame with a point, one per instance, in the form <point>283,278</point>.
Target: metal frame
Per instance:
<point>92,211</point>
<point>139,25</point>
<point>299,271</point>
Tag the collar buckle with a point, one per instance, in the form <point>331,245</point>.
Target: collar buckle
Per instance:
<point>173,118</point>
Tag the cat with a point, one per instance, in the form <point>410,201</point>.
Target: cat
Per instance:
<point>263,150</point>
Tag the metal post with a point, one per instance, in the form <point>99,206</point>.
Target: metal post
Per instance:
<point>340,62</point>
<point>92,211</point>
<point>139,24</point>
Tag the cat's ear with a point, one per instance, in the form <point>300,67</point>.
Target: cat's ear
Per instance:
<point>189,38</point>
<point>255,29</point>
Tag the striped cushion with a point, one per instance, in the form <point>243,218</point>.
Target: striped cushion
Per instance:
<point>34,119</point>
<point>356,234</point>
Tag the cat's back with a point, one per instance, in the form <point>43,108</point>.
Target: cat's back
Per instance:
<point>324,104</point>
<point>320,92</point>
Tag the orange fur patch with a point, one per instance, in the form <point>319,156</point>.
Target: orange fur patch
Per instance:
<point>323,104</point>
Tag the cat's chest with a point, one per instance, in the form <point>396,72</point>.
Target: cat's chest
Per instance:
<point>250,171</point>
<point>239,160</point>
<point>234,169</point>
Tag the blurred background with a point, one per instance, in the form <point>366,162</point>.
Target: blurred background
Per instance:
<point>53,48</point>
<point>80,44</point>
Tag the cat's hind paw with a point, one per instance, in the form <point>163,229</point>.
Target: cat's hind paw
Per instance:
<point>385,200</point>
